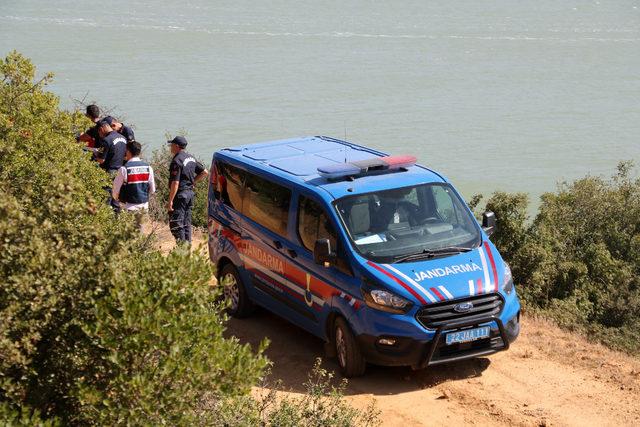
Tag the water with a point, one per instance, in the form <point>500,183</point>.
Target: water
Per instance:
<point>504,95</point>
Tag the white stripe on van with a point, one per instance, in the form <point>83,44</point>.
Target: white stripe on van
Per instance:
<point>485,270</point>
<point>445,291</point>
<point>413,282</point>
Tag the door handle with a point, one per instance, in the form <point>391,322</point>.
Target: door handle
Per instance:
<point>277,244</point>
<point>292,253</point>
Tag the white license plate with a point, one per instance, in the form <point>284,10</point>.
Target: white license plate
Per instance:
<point>468,335</point>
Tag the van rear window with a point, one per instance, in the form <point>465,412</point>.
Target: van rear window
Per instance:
<point>259,199</point>
<point>229,186</point>
<point>267,203</point>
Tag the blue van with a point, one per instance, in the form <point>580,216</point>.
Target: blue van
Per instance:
<point>378,256</point>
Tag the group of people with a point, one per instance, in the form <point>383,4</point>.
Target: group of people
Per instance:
<point>116,151</point>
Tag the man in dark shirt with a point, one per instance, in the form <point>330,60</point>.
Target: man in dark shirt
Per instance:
<point>112,147</point>
<point>184,172</point>
<point>122,129</point>
<point>110,155</point>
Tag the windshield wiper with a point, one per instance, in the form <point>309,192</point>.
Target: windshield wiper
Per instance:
<point>426,253</point>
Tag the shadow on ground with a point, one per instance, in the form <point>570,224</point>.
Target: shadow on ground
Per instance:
<point>294,351</point>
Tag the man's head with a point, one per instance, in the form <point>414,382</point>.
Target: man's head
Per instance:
<point>177,144</point>
<point>104,128</point>
<point>115,125</point>
<point>92,112</point>
<point>133,150</point>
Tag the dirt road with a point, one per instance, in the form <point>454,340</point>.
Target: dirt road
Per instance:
<point>548,377</point>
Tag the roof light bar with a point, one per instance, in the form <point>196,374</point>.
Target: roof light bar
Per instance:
<point>338,170</point>
<point>397,162</point>
<point>361,167</point>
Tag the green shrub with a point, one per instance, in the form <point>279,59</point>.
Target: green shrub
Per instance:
<point>160,160</point>
<point>24,416</point>
<point>98,328</point>
<point>165,354</point>
<point>74,290</point>
<point>579,260</point>
<point>322,405</point>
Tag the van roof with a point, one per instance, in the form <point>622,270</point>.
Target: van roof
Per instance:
<point>298,160</point>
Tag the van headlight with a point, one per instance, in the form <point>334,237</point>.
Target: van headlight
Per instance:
<point>508,279</point>
<point>383,300</point>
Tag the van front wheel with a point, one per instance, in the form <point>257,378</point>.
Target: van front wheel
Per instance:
<point>350,359</point>
<point>234,292</point>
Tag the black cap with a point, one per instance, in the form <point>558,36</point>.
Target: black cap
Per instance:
<point>180,141</point>
<point>103,122</point>
<point>109,120</point>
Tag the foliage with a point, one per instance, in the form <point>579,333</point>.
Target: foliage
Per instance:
<point>579,260</point>
<point>86,309</point>
<point>322,405</point>
<point>57,239</point>
<point>163,332</point>
<point>160,160</point>
<point>98,328</point>
<point>35,135</point>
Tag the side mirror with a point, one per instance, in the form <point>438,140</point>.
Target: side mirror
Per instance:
<point>322,252</point>
<point>489,222</point>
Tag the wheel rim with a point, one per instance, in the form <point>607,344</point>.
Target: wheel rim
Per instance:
<point>231,291</point>
<point>341,347</point>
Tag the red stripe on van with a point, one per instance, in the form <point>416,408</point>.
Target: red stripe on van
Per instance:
<point>398,281</point>
<point>438,294</point>
<point>493,266</point>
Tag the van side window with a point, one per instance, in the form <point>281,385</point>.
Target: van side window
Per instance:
<point>314,224</point>
<point>267,203</point>
<point>229,185</point>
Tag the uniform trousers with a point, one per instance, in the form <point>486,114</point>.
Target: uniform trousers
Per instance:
<point>180,220</point>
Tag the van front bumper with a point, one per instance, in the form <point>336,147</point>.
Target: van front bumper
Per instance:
<point>419,354</point>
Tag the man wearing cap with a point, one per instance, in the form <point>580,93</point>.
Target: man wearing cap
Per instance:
<point>122,129</point>
<point>112,147</point>
<point>184,172</point>
<point>110,155</point>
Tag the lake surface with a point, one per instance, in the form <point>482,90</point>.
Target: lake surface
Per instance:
<point>497,95</point>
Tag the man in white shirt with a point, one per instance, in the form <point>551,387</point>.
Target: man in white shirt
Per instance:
<point>134,183</point>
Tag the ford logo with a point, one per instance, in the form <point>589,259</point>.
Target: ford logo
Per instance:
<point>463,307</point>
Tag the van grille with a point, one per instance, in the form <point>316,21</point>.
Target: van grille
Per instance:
<point>435,315</point>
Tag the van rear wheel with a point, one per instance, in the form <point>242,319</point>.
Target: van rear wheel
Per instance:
<point>350,359</point>
<point>234,292</point>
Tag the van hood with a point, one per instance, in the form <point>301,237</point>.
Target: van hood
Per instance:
<point>430,281</point>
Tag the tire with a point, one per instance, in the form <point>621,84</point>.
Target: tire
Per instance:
<point>350,359</point>
<point>234,291</point>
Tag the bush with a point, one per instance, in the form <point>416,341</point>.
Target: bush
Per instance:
<point>160,160</point>
<point>165,355</point>
<point>322,405</point>
<point>87,310</point>
<point>98,328</point>
<point>579,260</point>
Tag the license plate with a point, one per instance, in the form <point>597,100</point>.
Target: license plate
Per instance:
<point>468,335</point>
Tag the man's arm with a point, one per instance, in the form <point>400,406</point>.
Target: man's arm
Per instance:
<point>173,190</point>
<point>152,181</point>
<point>117,183</point>
<point>201,175</point>
<point>103,152</point>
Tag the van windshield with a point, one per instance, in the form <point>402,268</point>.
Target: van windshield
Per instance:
<point>395,225</point>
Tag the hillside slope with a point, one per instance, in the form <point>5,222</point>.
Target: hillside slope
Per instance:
<point>548,377</point>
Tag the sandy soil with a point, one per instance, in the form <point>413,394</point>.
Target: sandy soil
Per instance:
<point>548,377</point>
